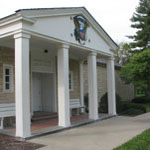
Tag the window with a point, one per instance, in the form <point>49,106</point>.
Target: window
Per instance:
<point>8,78</point>
<point>71,81</point>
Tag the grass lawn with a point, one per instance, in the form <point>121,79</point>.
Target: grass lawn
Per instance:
<point>140,142</point>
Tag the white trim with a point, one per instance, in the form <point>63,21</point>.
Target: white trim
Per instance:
<point>57,40</point>
<point>16,19</point>
<point>10,67</point>
<point>32,33</point>
<point>55,15</point>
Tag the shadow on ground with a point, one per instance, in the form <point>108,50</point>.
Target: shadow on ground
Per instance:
<point>11,143</point>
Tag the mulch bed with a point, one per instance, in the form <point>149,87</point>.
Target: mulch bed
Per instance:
<point>12,143</point>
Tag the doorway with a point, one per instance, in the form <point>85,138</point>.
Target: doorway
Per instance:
<point>43,92</point>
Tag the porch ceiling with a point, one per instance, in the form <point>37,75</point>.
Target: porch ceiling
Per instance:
<point>40,44</point>
<point>76,53</point>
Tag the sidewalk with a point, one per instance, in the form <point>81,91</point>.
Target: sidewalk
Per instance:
<point>102,135</point>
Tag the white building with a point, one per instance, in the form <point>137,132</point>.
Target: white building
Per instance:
<point>43,42</point>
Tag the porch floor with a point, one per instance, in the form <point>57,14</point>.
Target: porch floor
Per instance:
<point>51,126</point>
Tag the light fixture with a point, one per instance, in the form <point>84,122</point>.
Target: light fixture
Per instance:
<point>45,51</point>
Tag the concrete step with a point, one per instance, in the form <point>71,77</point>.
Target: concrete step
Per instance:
<point>44,117</point>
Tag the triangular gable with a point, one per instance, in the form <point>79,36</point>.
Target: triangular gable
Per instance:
<point>59,23</point>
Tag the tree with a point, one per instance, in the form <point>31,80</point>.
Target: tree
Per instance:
<point>123,53</point>
<point>137,70</point>
<point>141,22</point>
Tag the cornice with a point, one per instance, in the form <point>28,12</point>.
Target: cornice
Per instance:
<point>16,18</point>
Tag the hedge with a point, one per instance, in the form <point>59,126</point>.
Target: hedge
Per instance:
<point>103,105</point>
<point>128,105</point>
<point>141,100</point>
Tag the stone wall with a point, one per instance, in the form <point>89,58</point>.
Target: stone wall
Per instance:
<point>6,57</point>
<point>74,67</point>
<point>125,91</point>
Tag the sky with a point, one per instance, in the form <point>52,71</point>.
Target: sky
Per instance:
<point>113,15</point>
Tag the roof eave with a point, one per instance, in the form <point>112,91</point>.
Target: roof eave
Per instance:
<point>15,18</point>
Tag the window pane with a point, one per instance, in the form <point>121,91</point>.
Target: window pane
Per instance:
<point>7,78</point>
<point>7,86</point>
<point>7,72</point>
<point>70,86</point>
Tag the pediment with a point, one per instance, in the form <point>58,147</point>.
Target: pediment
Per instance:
<point>60,23</point>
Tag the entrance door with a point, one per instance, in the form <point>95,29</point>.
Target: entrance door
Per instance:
<point>36,92</point>
<point>48,91</point>
<point>43,92</point>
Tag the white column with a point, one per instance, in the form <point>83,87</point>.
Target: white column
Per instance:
<point>92,86</point>
<point>82,87</point>
<point>63,85</point>
<point>22,85</point>
<point>111,86</point>
<point>2,123</point>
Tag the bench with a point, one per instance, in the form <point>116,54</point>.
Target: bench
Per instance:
<point>6,110</point>
<point>75,104</point>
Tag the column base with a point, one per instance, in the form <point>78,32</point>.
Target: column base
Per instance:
<point>113,114</point>
<point>64,125</point>
<point>94,117</point>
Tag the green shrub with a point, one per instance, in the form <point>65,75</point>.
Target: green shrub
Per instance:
<point>124,107</point>
<point>132,112</point>
<point>86,103</point>
<point>143,107</point>
<point>103,105</point>
<point>141,100</point>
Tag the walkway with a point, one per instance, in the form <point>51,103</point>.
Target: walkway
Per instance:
<point>101,135</point>
<point>45,126</point>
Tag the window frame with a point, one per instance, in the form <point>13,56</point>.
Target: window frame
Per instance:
<point>72,84</point>
<point>10,67</point>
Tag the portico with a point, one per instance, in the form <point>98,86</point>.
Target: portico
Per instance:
<point>44,43</point>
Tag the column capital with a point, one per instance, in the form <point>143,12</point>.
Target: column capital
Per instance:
<point>64,46</point>
<point>22,35</point>
<point>92,54</point>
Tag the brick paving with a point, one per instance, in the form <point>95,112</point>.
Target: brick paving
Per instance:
<point>54,122</point>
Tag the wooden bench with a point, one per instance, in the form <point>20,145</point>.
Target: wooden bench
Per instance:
<point>6,110</point>
<point>76,104</point>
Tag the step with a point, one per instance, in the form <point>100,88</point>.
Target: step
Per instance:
<point>44,117</point>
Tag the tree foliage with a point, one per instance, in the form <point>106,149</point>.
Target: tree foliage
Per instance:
<point>137,70</point>
<point>141,22</point>
<point>123,53</point>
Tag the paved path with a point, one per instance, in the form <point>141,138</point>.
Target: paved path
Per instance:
<point>102,135</point>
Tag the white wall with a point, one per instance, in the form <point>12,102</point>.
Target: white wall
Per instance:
<point>42,62</point>
<point>62,27</point>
